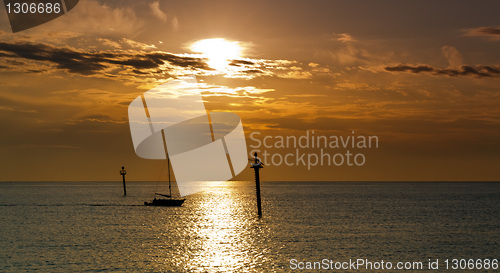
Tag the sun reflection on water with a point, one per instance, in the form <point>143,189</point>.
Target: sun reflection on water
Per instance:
<point>215,231</point>
<point>223,229</point>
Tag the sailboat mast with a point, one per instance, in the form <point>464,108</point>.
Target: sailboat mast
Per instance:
<point>168,161</point>
<point>169,184</point>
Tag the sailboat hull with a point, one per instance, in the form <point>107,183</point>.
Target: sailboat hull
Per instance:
<point>165,202</point>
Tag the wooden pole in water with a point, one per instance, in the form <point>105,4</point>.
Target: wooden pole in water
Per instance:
<point>256,167</point>
<point>123,173</point>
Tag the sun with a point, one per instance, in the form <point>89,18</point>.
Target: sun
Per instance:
<point>218,51</point>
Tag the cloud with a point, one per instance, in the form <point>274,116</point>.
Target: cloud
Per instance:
<point>453,56</point>
<point>345,50</point>
<point>87,63</point>
<point>64,58</point>
<point>241,62</point>
<point>157,12</point>
<point>355,86</point>
<point>296,75</point>
<point>132,61</point>
<point>479,71</point>
<point>175,23</point>
<point>16,109</point>
<point>135,44</point>
<point>413,69</point>
<point>343,37</point>
<point>93,17</point>
<point>286,69</point>
<point>109,43</point>
<point>162,16</point>
<point>249,92</point>
<point>490,32</point>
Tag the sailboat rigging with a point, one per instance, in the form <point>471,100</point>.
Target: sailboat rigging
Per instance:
<point>169,201</point>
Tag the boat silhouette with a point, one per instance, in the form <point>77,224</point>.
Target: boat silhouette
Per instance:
<point>169,201</point>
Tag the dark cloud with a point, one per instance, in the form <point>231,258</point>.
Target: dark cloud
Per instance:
<point>241,62</point>
<point>182,61</point>
<point>131,64</point>
<point>413,69</point>
<point>483,31</point>
<point>253,71</point>
<point>64,58</point>
<point>36,70</point>
<point>490,30</point>
<point>465,70</point>
<point>139,72</point>
<point>88,63</point>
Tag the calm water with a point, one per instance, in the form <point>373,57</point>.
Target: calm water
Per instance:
<point>90,226</point>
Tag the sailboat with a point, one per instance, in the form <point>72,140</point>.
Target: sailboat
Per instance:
<point>167,200</point>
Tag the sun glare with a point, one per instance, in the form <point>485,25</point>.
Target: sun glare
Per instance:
<point>218,51</point>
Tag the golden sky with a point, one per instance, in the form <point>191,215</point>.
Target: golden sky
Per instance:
<point>422,76</point>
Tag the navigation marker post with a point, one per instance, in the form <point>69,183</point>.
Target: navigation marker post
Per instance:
<point>256,166</point>
<point>123,172</point>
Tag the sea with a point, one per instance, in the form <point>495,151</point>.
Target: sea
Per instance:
<point>305,226</point>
